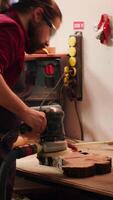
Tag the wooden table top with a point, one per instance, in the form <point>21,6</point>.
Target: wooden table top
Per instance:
<point>100,184</point>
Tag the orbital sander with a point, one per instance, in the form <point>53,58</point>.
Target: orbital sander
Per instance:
<point>53,139</point>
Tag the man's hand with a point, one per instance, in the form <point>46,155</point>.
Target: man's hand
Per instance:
<point>36,120</point>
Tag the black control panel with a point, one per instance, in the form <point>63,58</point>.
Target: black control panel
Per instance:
<point>42,75</point>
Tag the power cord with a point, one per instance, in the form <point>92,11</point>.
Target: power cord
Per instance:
<point>57,84</point>
<point>80,123</point>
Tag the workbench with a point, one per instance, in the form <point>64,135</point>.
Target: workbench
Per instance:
<point>95,187</point>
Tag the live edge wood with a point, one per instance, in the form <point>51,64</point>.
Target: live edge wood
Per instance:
<point>82,165</point>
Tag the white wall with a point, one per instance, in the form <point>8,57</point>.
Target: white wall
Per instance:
<point>96,109</point>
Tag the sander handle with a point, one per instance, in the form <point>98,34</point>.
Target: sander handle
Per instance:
<point>11,136</point>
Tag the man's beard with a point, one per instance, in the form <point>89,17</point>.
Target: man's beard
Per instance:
<point>34,39</point>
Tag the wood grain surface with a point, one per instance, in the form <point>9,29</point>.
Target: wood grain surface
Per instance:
<point>101,184</point>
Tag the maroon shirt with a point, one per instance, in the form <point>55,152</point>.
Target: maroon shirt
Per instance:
<point>13,43</point>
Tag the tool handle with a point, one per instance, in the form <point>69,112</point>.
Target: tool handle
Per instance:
<point>11,136</point>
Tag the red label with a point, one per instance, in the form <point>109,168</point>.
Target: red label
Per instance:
<point>78,25</point>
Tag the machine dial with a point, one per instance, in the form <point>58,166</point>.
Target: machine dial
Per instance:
<point>49,69</point>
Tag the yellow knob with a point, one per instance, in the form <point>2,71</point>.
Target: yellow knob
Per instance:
<point>66,81</point>
<point>72,51</point>
<point>67,76</point>
<point>72,41</point>
<point>73,72</point>
<point>72,61</point>
<point>66,69</point>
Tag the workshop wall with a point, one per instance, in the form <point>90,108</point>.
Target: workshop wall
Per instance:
<point>96,109</point>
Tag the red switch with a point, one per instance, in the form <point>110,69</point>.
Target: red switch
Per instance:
<point>49,69</point>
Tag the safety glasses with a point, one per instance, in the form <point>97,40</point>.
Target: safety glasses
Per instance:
<point>50,24</point>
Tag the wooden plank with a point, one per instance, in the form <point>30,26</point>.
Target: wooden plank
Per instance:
<point>102,184</point>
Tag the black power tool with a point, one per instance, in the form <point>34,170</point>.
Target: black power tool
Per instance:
<point>53,138</point>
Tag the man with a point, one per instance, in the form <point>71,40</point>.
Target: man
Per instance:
<point>24,27</point>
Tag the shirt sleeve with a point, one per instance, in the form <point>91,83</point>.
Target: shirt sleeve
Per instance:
<point>10,42</point>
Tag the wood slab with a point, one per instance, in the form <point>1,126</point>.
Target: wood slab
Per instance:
<point>82,165</point>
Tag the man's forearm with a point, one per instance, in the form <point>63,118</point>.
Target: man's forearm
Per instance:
<point>35,119</point>
<point>9,100</point>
